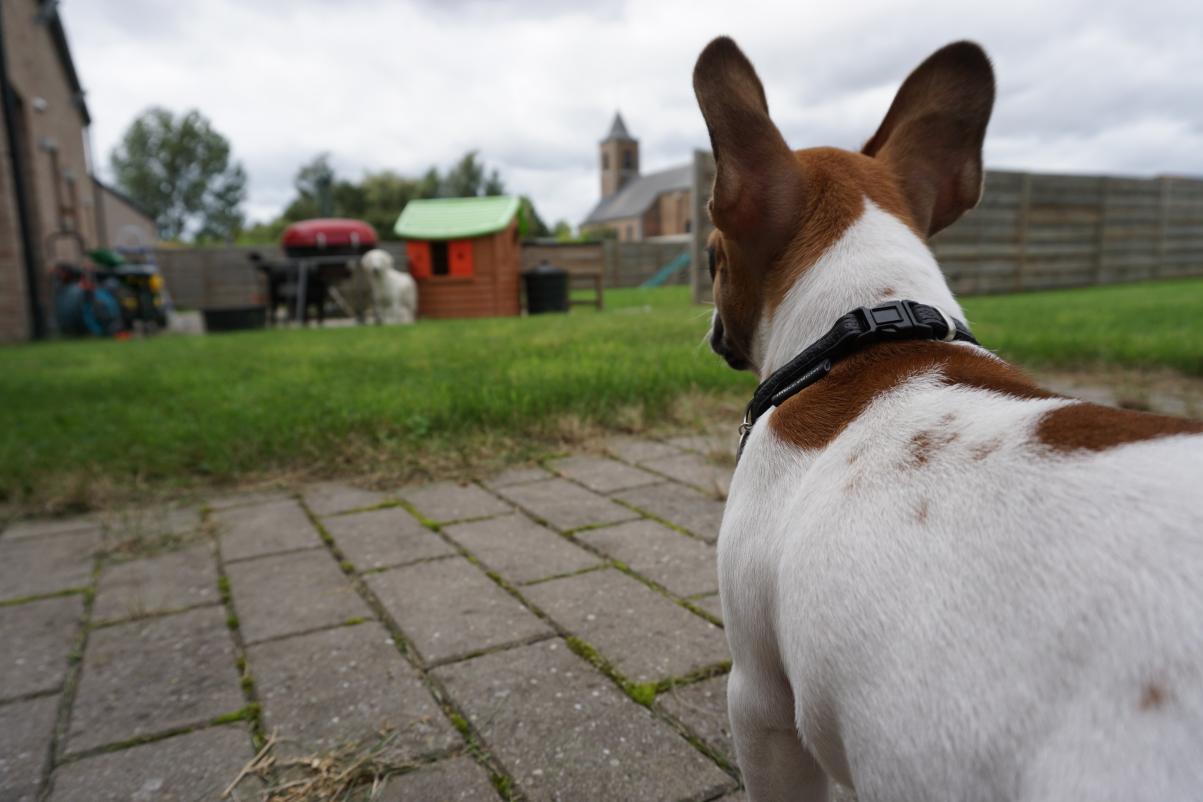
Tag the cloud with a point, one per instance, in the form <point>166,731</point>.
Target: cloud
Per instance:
<point>533,84</point>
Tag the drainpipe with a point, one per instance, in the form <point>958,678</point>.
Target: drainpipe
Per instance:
<point>24,224</point>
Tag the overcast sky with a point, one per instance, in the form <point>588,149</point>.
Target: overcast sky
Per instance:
<point>533,84</point>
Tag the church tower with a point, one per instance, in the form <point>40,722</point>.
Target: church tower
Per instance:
<point>619,158</point>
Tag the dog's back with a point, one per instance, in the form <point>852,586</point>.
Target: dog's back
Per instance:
<point>1021,612</point>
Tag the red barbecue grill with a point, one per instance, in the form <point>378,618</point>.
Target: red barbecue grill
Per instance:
<point>328,237</point>
<point>325,245</point>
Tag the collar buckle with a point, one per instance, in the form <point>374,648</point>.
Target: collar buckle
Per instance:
<point>891,319</point>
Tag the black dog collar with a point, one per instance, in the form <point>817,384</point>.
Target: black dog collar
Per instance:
<point>896,320</point>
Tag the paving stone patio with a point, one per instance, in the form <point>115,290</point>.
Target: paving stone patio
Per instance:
<point>546,634</point>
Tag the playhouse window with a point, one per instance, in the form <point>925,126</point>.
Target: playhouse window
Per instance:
<point>451,259</point>
<point>439,264</point>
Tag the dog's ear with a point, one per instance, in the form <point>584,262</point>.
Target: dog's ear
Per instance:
<point>757,184</point>
<point>932,135</point>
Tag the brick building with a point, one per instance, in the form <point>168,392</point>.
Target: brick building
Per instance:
<point>50,206</point>
<point>636,206</point>
<point>121,223</point>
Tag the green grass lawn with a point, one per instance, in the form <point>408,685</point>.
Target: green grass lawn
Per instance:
<point>79,418</point>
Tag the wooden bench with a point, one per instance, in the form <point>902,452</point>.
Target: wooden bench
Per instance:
<point>582,260</point>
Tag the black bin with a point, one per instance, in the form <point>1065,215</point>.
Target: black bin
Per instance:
<point>546,288</point>
<point>234,318</point>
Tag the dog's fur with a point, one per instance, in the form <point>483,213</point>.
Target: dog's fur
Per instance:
<point>939,582</point>
<point>394,293</point>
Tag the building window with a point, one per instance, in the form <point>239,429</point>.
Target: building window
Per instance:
<point>688,226</point>
<point>628,160</point>
<point>605,161</point>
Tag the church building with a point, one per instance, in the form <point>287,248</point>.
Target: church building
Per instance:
<point>638,206</point>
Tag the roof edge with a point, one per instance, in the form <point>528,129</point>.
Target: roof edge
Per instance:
<point>59,35</point>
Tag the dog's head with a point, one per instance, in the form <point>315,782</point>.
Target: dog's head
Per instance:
<point>376,262</point>
<point>776,211</point>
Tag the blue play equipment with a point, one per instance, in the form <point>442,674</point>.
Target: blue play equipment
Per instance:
<point>665,273</point>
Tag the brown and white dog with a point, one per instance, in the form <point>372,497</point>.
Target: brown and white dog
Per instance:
<point>939,581</point>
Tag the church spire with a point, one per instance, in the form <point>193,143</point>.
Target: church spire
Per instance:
<point>618,130</point>
<point>619,158</point>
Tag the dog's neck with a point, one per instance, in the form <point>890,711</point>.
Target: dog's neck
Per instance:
<point>877,259</point>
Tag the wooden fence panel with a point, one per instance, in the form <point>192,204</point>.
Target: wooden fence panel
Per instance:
<point>1035,231</point>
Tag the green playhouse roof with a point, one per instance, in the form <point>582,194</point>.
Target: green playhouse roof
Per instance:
<point>453,218</point>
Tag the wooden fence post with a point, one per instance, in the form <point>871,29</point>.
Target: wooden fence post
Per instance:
<point>1021,235</point>
<point>1163,224</point>
<point>609,261</point>
<point>703,175</point>
<point>1100,239</point>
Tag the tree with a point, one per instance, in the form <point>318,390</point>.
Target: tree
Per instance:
<point>379,197</point>
<point>562,231</point>
<point>530,225</point>
<point>386,193</point>
<point>467,179</point>
<point>179,169</point>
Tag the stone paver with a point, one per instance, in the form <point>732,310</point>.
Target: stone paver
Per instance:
<point>602,475</point>
<point>565,732</point>
<point>682,564</point>
<point>35,640</point>
<point>644,635</point>
<point>49,526</point>
<point>519,549</point>
<point>696,470</point>
<point>712,604</point>
<point>459,779</point>
<point>171,581</point>
<point>726,443</point>
<point>639,449</point>
<point>329,498</point>
<point>153,522</point>
<point>449,608</point>
<point>449,501</point>
<point>345,685</point>
<point>25,730</point>
<point>193,766</point>
<point>517,476</point>
<point>291,593</point>
<point>38,565</point>
<point>152,675</point>
<point>565,505</point>
<point>267,528</point>
<point>246,499</point>
<point>162,658</point>
<point>682,506</point>
<point>702,708</point>
<point>382,538</point>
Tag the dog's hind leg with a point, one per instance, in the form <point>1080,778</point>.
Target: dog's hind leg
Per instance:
<point>776,767</point>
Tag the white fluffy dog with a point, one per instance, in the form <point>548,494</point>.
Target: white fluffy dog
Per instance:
<point>394,293</point>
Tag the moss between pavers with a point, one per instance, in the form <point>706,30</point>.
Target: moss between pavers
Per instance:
<point>86,591</point>
<point>422,519</point>
<point>250,712</point>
